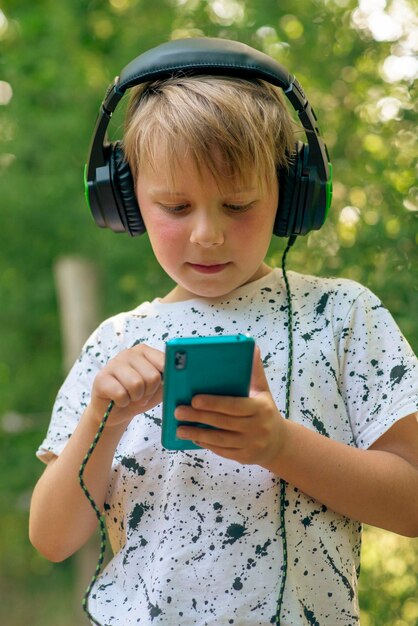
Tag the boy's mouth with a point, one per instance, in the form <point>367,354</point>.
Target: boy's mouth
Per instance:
<point>208,268</point>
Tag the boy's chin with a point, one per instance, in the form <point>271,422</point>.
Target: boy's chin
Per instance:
<point>211,286</point>
<point>188,291</point>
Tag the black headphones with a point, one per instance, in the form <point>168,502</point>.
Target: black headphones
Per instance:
<point>305,187</point>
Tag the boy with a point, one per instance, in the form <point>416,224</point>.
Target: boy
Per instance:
<point>196,535</point>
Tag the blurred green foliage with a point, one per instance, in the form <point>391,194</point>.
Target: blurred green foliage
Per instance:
<point>56,60</point>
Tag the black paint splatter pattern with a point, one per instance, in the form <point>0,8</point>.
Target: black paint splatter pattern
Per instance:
<point>196,538</point>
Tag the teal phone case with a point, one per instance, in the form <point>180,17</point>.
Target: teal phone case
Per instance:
<point>219,365</point>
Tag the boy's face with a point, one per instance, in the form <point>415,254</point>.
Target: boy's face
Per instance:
<point>208,241</point>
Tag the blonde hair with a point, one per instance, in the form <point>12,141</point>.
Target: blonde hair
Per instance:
<point>233,127</point>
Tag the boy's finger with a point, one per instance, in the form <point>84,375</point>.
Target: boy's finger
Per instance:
<point>210,418</point>
<point>154,356</point>
<point>226,405</point>
<point>259,381</point>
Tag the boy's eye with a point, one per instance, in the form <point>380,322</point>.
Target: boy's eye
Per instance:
<point>177,208</point>
<point>180,208</point>
<point>239,207</point>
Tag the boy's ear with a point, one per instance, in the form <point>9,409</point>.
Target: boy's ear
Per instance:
<point>123,186</point>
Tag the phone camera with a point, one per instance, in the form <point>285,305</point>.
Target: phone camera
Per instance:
<point>180,360</point>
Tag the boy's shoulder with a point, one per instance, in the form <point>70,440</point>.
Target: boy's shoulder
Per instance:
<point>120,327</point>
<point>334,299</point>
<point>306,285</point>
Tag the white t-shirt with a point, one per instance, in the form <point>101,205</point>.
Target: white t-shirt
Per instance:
<point>196,538</point>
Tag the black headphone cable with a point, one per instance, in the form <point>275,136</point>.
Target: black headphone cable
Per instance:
<point>283,483</point>
<point>100,516</point>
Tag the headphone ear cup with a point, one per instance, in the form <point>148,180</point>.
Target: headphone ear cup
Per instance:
<point>289,192</point>
<point>124,191</point>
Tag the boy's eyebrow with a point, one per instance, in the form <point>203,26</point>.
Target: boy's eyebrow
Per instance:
<point>168,192</point>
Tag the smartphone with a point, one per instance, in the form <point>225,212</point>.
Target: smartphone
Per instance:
<point>219,365</point>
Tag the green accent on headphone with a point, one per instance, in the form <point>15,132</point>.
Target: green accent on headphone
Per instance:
<point>328,191</point>
<point>86,187</point>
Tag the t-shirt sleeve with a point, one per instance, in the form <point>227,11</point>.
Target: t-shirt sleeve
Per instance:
<point>74,396</point>
<point>378,370</point>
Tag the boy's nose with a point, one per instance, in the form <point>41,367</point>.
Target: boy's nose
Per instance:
<point>207,231</point>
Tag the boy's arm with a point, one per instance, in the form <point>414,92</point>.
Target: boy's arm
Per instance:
<point>61,517</point>
<point>378,486</point>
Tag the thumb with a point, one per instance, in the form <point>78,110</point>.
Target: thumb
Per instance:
<point>259,381</point>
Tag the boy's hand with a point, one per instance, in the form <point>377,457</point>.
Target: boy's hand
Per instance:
<point>251,430</point>
<point>132,379</point>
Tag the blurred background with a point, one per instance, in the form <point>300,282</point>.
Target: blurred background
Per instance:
<point>357,62</point>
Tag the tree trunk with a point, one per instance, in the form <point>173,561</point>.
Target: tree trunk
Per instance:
<point>78,287</point>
